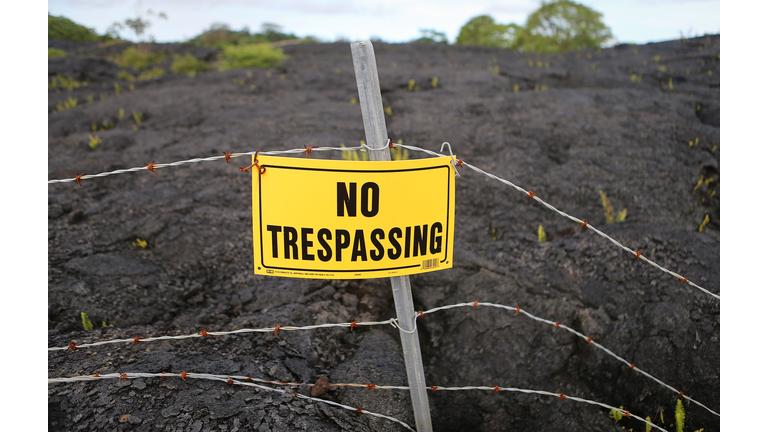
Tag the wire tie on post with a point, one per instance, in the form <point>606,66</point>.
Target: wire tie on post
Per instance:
<point>359,410</point>
<point>496,389</point>
<point>517,309</point>
<point>370,386</point>
<point>390,143</point>
<point>682,396</point>
<point>228,156</point>
<point>557,324</point>
<point>72,347</point>
<point>460,163</point>
<point>583,224</point>
<point>277,329</point>
<point>589,341</point>
<point>474,305</point>
<point>562,396</point>
<point>204,333</point>
<point>530,195</point>
<point>352,325</point>
<point>184,375</point>
<point>308,150</point>
<point>627,414</point>
<point>683,280</point>
<point>230,382</point>
<point>151,167</point>
<point>632,366</point>
<point>433,388</point>
<point>637,254</point>
<point>420,314</point>
<point>136,340</point>
<point>123,377</point>
<point>79,177</point>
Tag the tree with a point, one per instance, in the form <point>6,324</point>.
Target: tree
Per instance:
<point>139,25</point>
<point>484,31</point>
<point>563,25</point>
<point>557,26</point>
<point>62,28</point>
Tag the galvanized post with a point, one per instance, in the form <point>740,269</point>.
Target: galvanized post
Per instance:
<point>367,77</point>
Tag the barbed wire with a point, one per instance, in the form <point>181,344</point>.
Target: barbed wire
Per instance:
<point>248,381</point>
<point>205,333</point>
<point>456,163</point>
<point>393,321</point>
<point>226,379</point>
<point>582,222</point>
<point>560,325</point>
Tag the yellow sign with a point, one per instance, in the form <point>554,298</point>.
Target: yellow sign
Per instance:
<point>327,219</point>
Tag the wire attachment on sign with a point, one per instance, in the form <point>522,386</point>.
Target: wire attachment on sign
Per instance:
<point>255,164</point>
<point>454,160</point>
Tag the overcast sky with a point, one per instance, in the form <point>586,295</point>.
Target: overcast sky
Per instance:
<point>637,21</point>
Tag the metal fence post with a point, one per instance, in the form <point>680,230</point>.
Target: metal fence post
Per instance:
<point>367,77</point>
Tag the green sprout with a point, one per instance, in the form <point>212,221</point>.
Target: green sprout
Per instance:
<point>67,104</point>
<point>120,114</point>
<point>542,235</point>
<point>411,85</point>
<point>87,324</point>
<point>616,414</point>
<point>679,416</point>
<point>93,141</point>
<point>704,223</point>
<point>137,115</point>
<point>118,89</point>
<point>610,216</point>
<point>435,81</point>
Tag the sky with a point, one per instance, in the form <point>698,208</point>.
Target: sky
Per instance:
<point>631,21</point>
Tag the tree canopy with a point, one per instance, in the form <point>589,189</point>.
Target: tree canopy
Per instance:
<point>557,26</point>
<point>61,28</point>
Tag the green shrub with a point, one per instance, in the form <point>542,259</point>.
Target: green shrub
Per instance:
<point>65,81</point>
<point>60,28</point>
<point>53,52</point>
<point>251,55</point>
<point>138,60</point>
<point>149,74</point>
<point>221,36</point>
<point>188,64</point>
